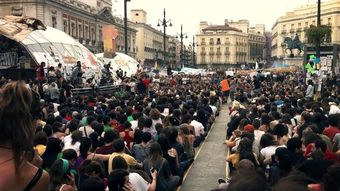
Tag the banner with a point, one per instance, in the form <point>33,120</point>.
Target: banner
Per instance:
<point>9,59</point>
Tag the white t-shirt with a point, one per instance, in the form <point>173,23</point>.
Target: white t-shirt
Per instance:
<point>213,108</point>
<point>198,127</point>
<point>88,129</point>
<point>68,145</point>
<point>267,152</point>
<point>137,182</point>
<point>134,124</point>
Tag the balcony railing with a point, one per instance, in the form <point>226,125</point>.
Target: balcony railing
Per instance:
<point>227,53</point>
<point>211,53</point>
<point>211,42</point>
<point>218,53</point>
<point>203,43</point>
<point>203,53</point>
<point>298,30</point>
<point>284,32</point>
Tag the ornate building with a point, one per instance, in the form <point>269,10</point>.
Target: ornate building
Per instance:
<point>83,20</point>
<point>299,20</point>
<point>233,44</point>
<point>150,41</point>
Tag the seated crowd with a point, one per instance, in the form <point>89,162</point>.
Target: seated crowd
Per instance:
<point>280,138</point>
<point>144,139</point>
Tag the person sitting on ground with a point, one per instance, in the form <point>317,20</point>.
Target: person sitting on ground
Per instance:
<point>19,111</point>
<point>165,179</point>
<point>119,146</point>
<point>93,183</point>
<point>138,181</point>
<point>61,177</point>
<point>141,151</point>
<point>244,151</point>
<point>107,148</point>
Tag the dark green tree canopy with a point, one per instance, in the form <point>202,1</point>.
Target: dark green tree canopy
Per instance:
<point>321,34</point>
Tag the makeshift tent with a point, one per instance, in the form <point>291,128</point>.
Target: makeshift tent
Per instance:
<point>120,61</point>
<point>49,45</point>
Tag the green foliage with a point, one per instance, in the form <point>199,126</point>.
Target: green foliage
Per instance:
<point>315,34</point>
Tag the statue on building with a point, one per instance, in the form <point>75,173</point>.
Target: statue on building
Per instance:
<point>292,44</point>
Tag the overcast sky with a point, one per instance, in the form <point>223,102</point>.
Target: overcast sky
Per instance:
<point>191,12</point>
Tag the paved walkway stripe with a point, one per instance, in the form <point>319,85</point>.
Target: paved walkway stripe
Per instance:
<point>210,160</point>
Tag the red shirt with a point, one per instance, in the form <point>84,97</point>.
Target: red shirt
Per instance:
<point>173,82</point>
<point>40,73</point>
<point>331,132</point>
<point>328,154</point>
<point>146,83</point>
<point>68,118</point>
<point>106,150</point>
<point>120,128</point>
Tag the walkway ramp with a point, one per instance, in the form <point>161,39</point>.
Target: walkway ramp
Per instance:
<point>210,160</point>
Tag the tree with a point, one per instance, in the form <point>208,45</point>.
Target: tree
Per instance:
<point>318,34</point>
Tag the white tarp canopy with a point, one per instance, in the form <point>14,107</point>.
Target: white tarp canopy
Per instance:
<point>192,71</point>
<point>120,61</point>
<point>53,46</point>
<point>49,45</point>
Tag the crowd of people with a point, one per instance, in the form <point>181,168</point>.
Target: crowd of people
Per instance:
<point>144,139</point>
<point>282,135</point>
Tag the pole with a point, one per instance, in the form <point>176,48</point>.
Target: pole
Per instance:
<point>125,27</point>
<point>318,43</point>
<point>181,53</point>
<point>164,38</point>
<point>193,50</point>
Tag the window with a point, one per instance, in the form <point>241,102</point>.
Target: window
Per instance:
<point>80,30</point>
<point>86,32</point>
<point>65,26</point>
<point>54,22</point>
<point>93,34</point>
<point>73,30</point>
<point>218,41</point>
<point>211,41</point>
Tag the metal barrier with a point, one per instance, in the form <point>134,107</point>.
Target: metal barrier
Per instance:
<point>94,91</point>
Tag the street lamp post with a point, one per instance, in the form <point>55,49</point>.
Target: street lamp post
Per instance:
<point>125,27</point>
<point>318,25</point>
<point>181,36</point>
<point>193,50</point>
<point>164,23</point>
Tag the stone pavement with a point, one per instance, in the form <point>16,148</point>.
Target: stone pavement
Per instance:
<point>210,160</point>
